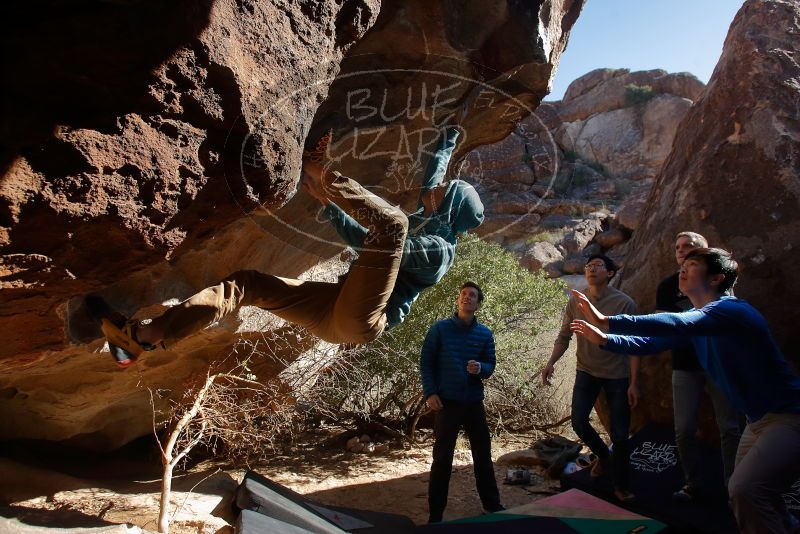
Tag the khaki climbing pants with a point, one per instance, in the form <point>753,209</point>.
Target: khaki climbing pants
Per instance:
<point>766,466</point>
<point>351,310</point>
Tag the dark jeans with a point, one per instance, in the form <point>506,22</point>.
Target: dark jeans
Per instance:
<point>449,420</point>
<point>584,395</point>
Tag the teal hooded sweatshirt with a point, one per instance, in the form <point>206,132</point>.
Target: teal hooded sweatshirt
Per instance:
<point>430,247</point>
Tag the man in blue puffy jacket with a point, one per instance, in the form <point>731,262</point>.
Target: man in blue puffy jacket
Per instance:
<point>399,256</point>
<point>457,355</point>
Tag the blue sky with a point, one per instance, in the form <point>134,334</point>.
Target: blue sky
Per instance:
<point>674,35</point>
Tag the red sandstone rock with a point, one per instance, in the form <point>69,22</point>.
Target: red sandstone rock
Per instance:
<point>734,176</point>
<point>140,136</point>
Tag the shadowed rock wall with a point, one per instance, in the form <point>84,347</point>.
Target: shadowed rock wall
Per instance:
<point>135,137</point>
<point>138,136</point>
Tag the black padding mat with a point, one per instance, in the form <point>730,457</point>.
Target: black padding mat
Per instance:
<point>655,475</point>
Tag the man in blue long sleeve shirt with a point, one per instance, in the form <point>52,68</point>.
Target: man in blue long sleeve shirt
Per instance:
<point>398,257</point>
<point>735,347</point>
<point>457,355</point>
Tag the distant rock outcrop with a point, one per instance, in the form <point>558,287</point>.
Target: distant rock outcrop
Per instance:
<point>597,150</point>
<point>625,120</point>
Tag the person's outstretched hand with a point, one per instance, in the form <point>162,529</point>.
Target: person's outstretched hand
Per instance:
<point>588,310</point>
<point>588,331</point>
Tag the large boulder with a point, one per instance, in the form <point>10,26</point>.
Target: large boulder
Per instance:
<point>631,142</point>
<point>542,255</point>
<point>485,66</point>
<point>733,175</point>
<point>140,136</point>
<point>167,131</point>
<point>629,214</point>
<point>133,178</point>
<point>603,90</point>
<point>603,144</point>
<point>583,233</point>
<point>610,238</point>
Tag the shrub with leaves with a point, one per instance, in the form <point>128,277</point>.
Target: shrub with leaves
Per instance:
<point>381,380</point>
<point>638,94</point>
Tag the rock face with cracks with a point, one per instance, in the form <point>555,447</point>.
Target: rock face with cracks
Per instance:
<point>138,137</point>
<point>482,66</point>
<point>733,175</point>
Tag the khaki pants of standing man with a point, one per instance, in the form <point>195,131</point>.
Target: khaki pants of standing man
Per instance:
<point>349,311</point>
<point>766,466</point>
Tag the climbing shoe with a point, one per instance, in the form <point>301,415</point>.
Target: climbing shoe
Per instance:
<point>118,330</point>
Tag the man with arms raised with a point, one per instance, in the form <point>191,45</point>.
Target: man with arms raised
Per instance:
<point>735,347</point>
<point>601,370</point>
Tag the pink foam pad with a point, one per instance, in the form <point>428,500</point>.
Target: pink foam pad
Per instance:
<point>577,499</point>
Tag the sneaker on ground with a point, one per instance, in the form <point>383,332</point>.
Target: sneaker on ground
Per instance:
<point>624,495</point>
<point>493,509</point>
<point>685,494</point>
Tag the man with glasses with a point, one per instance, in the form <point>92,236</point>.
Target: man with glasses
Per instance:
<point>598,370</point>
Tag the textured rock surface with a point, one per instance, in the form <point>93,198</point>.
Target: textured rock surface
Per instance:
<point>151,168</point>
<point>734,176</point>
<point>603,118</point>
<point>629,213</point>
<point>604,90</point>
<point>583,233</point>
<point>484,65</point>
<point>542,255</point>
<point>140,190</point>
<point>170,122</point>
<point>597,149</point>
<point>632,142</point>
<point>610,238</point>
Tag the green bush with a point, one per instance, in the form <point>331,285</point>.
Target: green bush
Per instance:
<point>638,94</point>
<point>381,380</point>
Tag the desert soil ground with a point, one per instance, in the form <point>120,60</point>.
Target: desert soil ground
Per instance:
<point>80,490</point>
